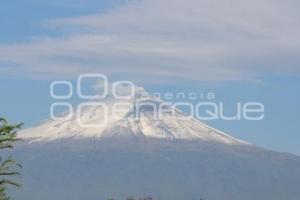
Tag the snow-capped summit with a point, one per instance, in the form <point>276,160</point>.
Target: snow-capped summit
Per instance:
<point>142,115</point>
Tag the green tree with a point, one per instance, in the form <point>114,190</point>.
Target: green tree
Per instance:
<point>8,167</point>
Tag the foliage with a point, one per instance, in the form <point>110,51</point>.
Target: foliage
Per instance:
<point>131,198</point>
<point>8,167</point>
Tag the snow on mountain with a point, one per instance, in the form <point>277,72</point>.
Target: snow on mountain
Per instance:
<point>138,116</point>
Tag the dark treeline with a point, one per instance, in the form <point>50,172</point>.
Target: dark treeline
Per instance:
<point>144,198</point>
<point>131,198</point>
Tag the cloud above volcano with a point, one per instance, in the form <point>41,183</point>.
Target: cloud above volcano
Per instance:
<point>167,41</point>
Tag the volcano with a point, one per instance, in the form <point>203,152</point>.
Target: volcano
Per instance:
<point>137,153</point>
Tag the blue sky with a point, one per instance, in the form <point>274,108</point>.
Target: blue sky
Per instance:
<point>242,51</point>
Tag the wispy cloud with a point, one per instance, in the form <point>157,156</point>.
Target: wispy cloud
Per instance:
<point>170,40</point>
